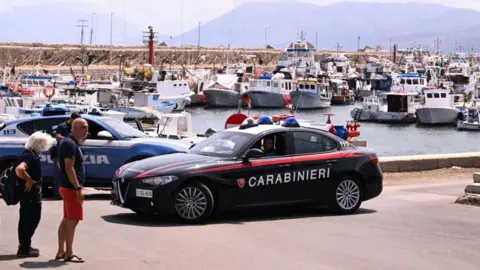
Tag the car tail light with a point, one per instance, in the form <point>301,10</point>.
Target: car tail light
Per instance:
<point>374,160</point>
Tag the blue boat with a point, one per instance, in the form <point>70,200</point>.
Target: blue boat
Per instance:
<point>165,106</point>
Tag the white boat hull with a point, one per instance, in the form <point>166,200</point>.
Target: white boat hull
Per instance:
<point>359,114</point>
<point>222,98</point>
<point>265,99</point>
<point>307,100</point>
<point>395,117</point>
<point>464,125</point>
<point>437,115</point>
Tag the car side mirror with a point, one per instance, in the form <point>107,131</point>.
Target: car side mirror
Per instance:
<point>105,135</point>
<point>253,153</point>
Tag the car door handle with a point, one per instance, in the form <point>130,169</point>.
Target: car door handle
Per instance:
<point>284,165</point>
<point>331,161</point>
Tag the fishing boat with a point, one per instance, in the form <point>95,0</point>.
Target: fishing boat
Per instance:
<point>270,91</point>
<point>469,119</point>
<point>310,94</point>
<point>341,95</point>
<point>439,108</point>
<point>371,106</point>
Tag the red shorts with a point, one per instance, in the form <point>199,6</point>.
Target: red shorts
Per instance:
<point>72,209</point>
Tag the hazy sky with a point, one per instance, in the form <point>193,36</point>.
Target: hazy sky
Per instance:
<point>169,12</point>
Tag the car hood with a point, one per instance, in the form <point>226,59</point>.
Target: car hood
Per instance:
<point>180,145</point>
<point>172,164</point>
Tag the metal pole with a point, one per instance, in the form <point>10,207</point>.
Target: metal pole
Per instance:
<point>91,29</point>
<point>199,23</point>
<point>111,29</point>
<point>82,26</point>
<point>316,41</point>
<point>181,25</point>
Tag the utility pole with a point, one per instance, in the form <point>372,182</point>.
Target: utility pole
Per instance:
<point>358,44</point>
<point>316,41</point>
<point>91,29</point>
<point>82,26</point>
<point>111,29</point>
<point>437,45</point>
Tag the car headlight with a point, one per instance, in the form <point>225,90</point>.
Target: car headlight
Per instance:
<point>160,180</point>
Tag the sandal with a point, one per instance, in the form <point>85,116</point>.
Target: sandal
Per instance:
<point>74,259</point>
<point>60,256</point>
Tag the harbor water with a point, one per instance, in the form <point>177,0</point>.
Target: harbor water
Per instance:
<point>385,139</point>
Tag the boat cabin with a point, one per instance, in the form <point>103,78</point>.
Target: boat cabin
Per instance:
<point>439,98</point>
<point>266,83</point>
<point>402,102</point>
<point>371,103</point>
<point>312,86</point>
<point>410,82</point>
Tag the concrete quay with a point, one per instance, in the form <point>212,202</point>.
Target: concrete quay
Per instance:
<point>430,162</point>
<point>413,221</point>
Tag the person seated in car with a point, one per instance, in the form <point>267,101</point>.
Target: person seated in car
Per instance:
<point>268,148</point>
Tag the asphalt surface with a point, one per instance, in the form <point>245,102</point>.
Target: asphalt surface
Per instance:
<point>407,227</point>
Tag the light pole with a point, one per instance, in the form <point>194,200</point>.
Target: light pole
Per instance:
<point>199,23</point>
<point>111,29</point>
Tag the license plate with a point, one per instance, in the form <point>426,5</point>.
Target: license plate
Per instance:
<point>144,193</point>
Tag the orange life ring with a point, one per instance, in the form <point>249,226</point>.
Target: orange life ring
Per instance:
<point>49,91</point>
<point>283,117</point>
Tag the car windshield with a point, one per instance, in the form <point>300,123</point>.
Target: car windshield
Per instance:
<point>222,144</point>
<point>125,130</point>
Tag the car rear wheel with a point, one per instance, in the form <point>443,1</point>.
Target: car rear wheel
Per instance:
<point>194,202</point>
<point>346,195</point>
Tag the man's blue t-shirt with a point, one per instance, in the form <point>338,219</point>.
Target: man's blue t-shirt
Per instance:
<point>69,148</point>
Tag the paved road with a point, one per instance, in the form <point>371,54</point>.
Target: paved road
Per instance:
<point>408,227</point>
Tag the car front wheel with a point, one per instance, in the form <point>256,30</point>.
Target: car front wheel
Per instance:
<point>194,202</point>
<point>346,195</point>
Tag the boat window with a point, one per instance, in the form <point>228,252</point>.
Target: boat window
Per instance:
<point>443,95</point>
<point>268,83</point>
<point>300,86</point>
<point>174,85</point>
<point>275,84</point>
<point>436,95</point>
<point>283,85</point>
<point>402,81</point>
<point>429,95</point>
<point>312,87</point>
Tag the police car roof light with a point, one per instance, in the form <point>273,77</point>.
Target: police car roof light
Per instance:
<point>265,120</point>
<point>249,123</point>
<point>290,122</point>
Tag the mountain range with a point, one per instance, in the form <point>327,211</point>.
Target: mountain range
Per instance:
<point>341,23</point>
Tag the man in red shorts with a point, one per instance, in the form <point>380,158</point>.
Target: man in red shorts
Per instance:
<point>72,179</point>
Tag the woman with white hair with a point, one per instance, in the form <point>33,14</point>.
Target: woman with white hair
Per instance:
<point>29,183</point>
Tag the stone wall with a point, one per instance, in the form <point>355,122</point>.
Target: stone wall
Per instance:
<point>51,55</point>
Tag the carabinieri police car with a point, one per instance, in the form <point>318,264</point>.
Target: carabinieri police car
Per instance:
<point>111,144</point>
<point>255,164</point>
